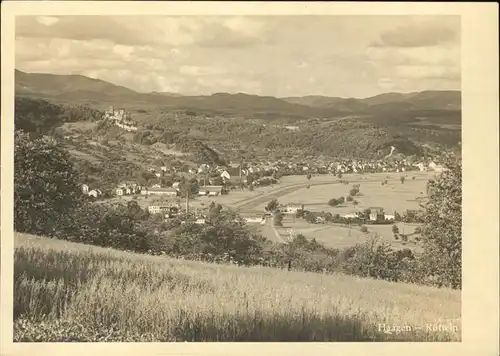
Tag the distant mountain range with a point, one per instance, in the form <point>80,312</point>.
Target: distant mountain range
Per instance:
<point>426,100</point>
<point>80,89</point>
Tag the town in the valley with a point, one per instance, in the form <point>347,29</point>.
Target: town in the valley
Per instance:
<point>248,186</point>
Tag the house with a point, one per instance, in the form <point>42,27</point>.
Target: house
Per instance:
<point>163,168</point>
<point>176,185</point>
<point>119,191</point>
<point>200,221</point>
<point>255,220</point>
<point>320,220</point>
<point>293,207</point>
<point>389,217</point>
<point>95,193</point>
<point>203,168</point>
<point>158,175</point>
<point>376,214</point>
<point>128,191</point>
<point>168,207</point>
<point>233,169</point>
<point>85,188</point>
<point>156,209</point>
<point>162,191</point>
<point>211,190</point>
<point>156,186</point>
<point>225,175</point>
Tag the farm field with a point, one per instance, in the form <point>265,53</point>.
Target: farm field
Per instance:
<point>337,236</point>
<point>72,292</point>
<point>391,197</point>
<point>292,189</point>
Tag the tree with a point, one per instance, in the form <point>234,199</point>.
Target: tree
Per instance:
<point>353,192</point>
<point>278,218</point>
<point>442,228</point>
<point>214,212</point>
<point>395,230</point>
<point>309,176</point>
<point>272,205</point>
<point>46,190</point>
<point>189,187</point>
<point>333,202</point>
<point>402,179</point>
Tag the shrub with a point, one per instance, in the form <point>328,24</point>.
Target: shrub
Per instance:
<point>442,228</point>
<point>363,229</point>
<point>46,189</point>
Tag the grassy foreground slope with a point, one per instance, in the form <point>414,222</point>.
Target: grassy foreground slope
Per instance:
<point>72,292</point>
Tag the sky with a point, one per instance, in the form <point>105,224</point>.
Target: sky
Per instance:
<point>345,56</point>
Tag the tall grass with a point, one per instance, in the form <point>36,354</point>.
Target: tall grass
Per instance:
<point>70,292</point>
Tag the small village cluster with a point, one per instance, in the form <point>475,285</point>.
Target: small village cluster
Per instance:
<point>91,192</point>
<point>346,166</point>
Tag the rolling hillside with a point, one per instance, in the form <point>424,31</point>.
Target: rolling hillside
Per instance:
<point>65,291</point>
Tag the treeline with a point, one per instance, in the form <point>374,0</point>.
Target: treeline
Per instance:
<point>48,201</point>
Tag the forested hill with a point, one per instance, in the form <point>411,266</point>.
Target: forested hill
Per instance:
<point>368,137</point>
<point>37,115</point>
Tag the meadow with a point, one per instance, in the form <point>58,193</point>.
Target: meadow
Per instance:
<point>392,196</point>
<point>342,236</point>
<point>65,291</point>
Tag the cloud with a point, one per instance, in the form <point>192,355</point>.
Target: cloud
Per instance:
<point>428,72</point>
<point>47,20</point>
<point>267,55</point>
<point>129,30</point>
<point>421,34</point>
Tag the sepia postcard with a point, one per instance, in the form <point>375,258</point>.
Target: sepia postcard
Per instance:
<point>231,178</point>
